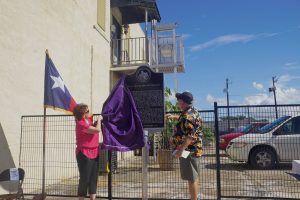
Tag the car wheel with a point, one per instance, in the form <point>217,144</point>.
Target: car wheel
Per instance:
<point>263,158</point>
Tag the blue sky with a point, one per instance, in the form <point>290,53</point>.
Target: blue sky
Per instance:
<point>245,41</point>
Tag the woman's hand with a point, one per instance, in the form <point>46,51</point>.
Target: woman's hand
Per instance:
<point>96,127</point>
<point>99,121</point>
<point>100,118</point>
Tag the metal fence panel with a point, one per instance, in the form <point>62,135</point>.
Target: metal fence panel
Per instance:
<point>164,181</point>
<point>126,173</point>
<point>237,180</point>
<point>61,173</point>
<point>241,163</point>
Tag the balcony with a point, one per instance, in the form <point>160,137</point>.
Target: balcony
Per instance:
<point>163,54</point>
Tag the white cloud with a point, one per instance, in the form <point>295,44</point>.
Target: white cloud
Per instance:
<point>223,40</point>
<point>264,35</point>
<point>221,101</point>
<point>186,36</point>
<point>258,86</point>
<point>259,99</point>
<point>284,94</point>
<point>286,78</point>
<point>229,39</point>
<point>210,98</point>
<point>288,95</point>
<point>291,65</point>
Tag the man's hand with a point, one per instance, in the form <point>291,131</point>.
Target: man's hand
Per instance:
<point>171,116</point>
<point>178,153</point>
<point>168,116</point>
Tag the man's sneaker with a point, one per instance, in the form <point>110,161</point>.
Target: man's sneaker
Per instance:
<point>198,197</point>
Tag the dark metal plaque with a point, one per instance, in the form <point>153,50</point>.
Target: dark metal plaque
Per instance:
<point>147,89</point>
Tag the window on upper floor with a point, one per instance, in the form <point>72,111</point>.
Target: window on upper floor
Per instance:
<point>101,13</point>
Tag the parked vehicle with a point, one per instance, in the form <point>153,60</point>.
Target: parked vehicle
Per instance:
<point>250,128</point>
<point>277,142</point>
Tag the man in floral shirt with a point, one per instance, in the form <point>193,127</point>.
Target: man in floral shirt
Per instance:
<point>188,137</point>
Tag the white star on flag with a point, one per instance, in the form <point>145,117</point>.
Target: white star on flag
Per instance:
<point>58,82</point>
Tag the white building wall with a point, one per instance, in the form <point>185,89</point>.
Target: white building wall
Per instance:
<point>135,30</point>
<point>80,52</point>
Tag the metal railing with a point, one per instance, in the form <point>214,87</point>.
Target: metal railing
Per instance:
<point>167,50</point>
<point>158,52</point>
<point>129,51</point>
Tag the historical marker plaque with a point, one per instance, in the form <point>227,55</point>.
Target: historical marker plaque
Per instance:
<point>147,89</point>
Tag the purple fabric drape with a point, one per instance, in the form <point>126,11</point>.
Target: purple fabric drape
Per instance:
<point>122,126</point>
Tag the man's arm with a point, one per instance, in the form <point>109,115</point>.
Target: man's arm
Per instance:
<point>186,142</point>
<point>171,116</point>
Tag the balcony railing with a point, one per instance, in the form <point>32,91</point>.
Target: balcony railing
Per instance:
<point>161,53</point>
<point>129,51</point>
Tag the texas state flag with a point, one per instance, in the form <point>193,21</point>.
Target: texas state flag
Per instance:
<point>56,94</point>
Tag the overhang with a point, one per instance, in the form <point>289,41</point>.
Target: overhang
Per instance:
<point>133,11</point>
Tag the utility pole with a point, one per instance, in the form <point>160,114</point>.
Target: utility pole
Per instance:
<point>273,89</point>
<point>227,97</point>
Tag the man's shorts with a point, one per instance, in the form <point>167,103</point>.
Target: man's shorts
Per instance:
<point>189,168</point>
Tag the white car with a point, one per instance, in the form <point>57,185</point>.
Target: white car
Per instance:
<point>277,142</point>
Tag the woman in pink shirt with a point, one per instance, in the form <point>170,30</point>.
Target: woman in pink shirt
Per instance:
<point>87,150</point>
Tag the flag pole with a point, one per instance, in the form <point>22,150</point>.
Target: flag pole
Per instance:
<point>44,154</point>
<point>54,100</point>
<point>44,145</point>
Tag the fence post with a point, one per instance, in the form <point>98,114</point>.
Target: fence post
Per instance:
<point>109,177</point>
<point>145,158</point>
<point>217,150</point>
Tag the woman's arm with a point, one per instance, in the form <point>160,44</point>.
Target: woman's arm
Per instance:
<point>95,129</point>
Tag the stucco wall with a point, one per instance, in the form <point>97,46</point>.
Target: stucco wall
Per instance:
<point>80,52</point>
<point>136,30</point>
